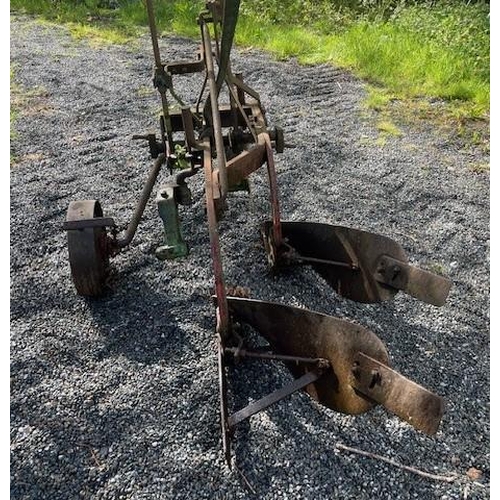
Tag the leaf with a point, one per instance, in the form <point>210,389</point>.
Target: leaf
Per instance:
<point>474,474</point>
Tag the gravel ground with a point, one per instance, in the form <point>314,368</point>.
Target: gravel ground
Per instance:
<point>118,398</point>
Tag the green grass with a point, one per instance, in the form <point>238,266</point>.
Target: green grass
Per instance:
<point>401,62</point>
<point>87,19</point>
<point>424,51</point>
<point>426,61</point>
<point>388,128</point>
<point>418,53</point>
<point>480,168</point>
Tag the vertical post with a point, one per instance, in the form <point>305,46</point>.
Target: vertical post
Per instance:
<point>214,104</point>
<point>273,188</point>
<point>160,78</point>
<point>220,288</point>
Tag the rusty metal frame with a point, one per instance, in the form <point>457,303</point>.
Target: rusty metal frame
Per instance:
<point>341,365</point>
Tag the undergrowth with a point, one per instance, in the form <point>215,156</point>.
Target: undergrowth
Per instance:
<point>408,50</point>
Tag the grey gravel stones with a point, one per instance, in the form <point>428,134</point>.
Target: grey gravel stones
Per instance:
<point>118,398</point>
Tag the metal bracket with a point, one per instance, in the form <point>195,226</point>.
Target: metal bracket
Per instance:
<point>184,67</point>
<point>288,255</point>
<point>277,136</point>
<point>266,355</point>
<point>155,147</point>
<point>274,397</point>
<point>162,80</point>
<point>70,225</point>
<point>317,368</point>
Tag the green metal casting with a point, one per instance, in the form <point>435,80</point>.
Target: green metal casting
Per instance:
<point>174,245</point>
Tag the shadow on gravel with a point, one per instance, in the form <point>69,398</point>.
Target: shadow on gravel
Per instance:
<point>82,434</point>
<point>79,450</point>
<point>138,323</point>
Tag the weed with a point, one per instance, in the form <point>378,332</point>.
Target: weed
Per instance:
<point>480,168</point>
<point>14,108</point>
<point>25,102</point>
<point>97,36</point>
<point>388,128</point>
<point>378,98</point>
<point>145,91</point>
<point>438,268</point>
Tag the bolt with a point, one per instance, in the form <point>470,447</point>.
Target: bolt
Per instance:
<point>395,272</point>
<point>376,379</point>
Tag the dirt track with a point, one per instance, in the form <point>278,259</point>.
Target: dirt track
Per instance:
<point>118,398</point>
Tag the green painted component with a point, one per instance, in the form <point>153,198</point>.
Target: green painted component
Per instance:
<point>174,245</point>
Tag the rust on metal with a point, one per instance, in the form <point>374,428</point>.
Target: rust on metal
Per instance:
<point>239,352</point>
<point>225,112</point>
<point>340,364</point>
<point>299,332</point>
<point>141,205</point>
<point>161,81</point>
<point>88,247</point>
<point>89,223</point>
<point>220,288</point>
<point>416,282</point>
<point>216,125</point>
<point>273,190</point>
<point>188,126</point>
<point>185,67</point>
<point>373,267</point>
<point>403,397</point>
<point>224,412</point>
<point>360,375</point>
<point>242,165</point>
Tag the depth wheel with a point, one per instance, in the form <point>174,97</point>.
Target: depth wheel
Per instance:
<point>87,248</point>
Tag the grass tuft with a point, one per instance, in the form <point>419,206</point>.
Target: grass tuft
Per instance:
<point>480,168</point>
<point>388,128</point>
<point>98,36</point>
